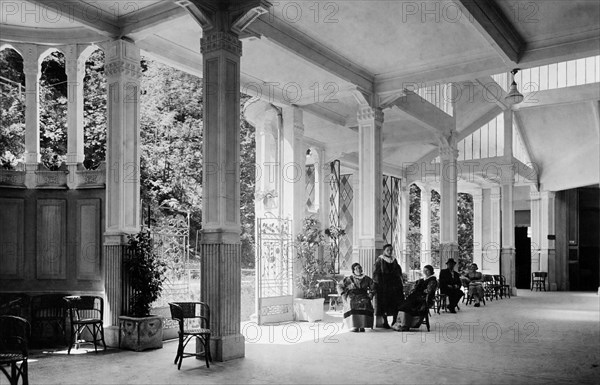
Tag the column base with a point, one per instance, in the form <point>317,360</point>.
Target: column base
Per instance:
<point>111,336</point>
<point>225,348</point>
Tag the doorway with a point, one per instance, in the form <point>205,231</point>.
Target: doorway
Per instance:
<point>522,258</point>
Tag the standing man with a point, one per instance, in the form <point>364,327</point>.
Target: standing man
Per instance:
<point>450,285</point>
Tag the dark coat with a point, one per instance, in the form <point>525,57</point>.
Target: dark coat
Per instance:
<point>388,286</point>
<point>449,277</point>
<point>421,298</point>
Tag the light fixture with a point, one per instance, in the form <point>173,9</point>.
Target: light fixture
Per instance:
<point>514,96</point>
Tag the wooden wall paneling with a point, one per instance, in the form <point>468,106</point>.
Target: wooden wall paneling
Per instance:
<point>11,238</point>
<point>51,239</point>
<point>88,239</point>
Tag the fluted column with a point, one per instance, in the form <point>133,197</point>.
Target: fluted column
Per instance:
<point>448,203</point>
<point>478,228</point>
<point>75,70</point>
<point>370,121</point>
<point>507,257</point>
<point>123,73</point>
<point>355,180</point>
<point>31,69</point>
<point>221,247</point>
<point>547,246</point>
<point>425,226</point>
<point>536,229</point>
<point>294,173</point>
<point>491,251</point>
<point>404,218</point>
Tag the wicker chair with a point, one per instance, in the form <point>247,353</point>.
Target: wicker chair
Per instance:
<point>14,338</point>
<point>86,312</point>
<point>194,322</point>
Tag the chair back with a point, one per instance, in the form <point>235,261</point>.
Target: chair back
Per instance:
<point>199,311</point>
<point>14,334</point>
<point>85,307</point>
<point>540,275</point>
<point>47,307</point>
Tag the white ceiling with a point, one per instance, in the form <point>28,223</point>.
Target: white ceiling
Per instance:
<point>318,60</point>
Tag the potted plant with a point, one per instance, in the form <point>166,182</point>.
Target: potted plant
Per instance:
<point>312,269</point>
<point>145,271</point>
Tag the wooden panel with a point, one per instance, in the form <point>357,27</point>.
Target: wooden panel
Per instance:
<point>51,239</point>
<point>11,238</point>
<point>88,236</point>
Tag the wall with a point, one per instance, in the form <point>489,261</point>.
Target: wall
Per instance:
<point>51,240</point>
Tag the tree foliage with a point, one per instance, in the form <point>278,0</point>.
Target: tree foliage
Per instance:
<point>12,109</point>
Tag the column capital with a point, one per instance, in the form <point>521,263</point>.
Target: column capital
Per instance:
<point>448,152</point>
<point>477,197</point>
<point>535,195</point>
<point>31,63</point>
<point>366,114</point>
<point>547,194</point>
<point>122,59</point>
<point>219,40</point>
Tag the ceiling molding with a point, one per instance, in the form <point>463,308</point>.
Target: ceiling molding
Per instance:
<point>142,22</point>
<point>80,12</point>
<point>50,36</point>
<point>312,51</point>
<point>495,28</point>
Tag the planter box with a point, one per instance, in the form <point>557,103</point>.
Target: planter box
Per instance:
<point>140,333</point>
<point>310,310</point>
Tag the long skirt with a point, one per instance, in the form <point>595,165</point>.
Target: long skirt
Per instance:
<point>358,311</point>
<point>406,320</point>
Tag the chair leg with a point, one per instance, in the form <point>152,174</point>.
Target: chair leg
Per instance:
<point>24,373</point>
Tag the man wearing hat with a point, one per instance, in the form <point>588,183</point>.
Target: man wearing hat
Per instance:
<point>450,285</point>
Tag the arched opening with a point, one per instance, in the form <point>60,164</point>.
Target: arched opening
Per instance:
<point>94,110</point>
<point>53,110</point>
<point>12,108</point>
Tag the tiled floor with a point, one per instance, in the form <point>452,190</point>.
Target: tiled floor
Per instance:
<point>535,338</point>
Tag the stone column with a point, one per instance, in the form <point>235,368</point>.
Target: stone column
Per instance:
<point>269,166</point>
<point>370,242</point>
<point>547,247</point>
<point>507,254</point>
<point>75,70</point>
<point>31,69</point>
<point>404,213</point>
<point>478,228</point>
<point>425,226</point>
<point>355,214</point>
<point>536,230</point>
<point>123,73</point>
<point>491,251</point>
<point>221,248</point>
<point>294,173</point>
<point>448,204</point>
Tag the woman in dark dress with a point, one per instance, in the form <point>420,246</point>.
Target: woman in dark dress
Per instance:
<point>357,291</point>
<point>417,304</point>
<point>387,275</point>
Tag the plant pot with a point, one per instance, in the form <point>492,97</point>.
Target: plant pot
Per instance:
<point>310,310</point>
<point>140,333</point>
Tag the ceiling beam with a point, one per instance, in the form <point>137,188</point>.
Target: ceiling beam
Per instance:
<point>566,95</point>
<point>312,51</point>
<point>144,21</point>
<point>50,36</point>
<point>494,91</point>
<point>420,111</point>
<point>83,13</point>
<point>493,25</point>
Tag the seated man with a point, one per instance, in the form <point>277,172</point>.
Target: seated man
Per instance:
<point>417,304</point>
<point>450,285</point>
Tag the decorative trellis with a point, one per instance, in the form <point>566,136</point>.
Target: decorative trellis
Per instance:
<point>334,213</point>
<point>390,199</point>
<point>274,269</point>
<point>346,221</point>
<point>310,187</point>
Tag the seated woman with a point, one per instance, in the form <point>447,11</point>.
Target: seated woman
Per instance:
<point>357,292</point>
<point>417,304</point>
<point>474,279</point>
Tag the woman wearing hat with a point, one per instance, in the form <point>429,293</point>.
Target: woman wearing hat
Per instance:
<point>450,285</point>
<point>475,283</point>
<point>357,291</point>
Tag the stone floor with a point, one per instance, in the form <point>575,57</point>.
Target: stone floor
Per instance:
<point>535,338</point>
